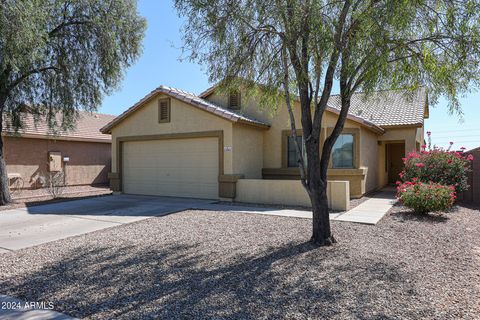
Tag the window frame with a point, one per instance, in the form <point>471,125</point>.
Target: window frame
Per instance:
<point>325,132</point>
<point>355,132</point>
<point>353,151</point>
<point>285,135</point>
<point>295,150</point>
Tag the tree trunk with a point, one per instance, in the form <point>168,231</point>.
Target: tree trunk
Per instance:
<point>321,234</point>
<point>5,197</point>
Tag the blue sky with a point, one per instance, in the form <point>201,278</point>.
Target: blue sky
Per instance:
<point>160,64</point>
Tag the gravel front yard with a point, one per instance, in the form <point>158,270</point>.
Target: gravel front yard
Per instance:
<point>200,264</point>
<point>34,197</point>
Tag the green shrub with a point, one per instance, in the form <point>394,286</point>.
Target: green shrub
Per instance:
<point>439,166</point>
<point>426,197</point>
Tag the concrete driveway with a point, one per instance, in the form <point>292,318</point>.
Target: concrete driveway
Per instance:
<point>26,227</point>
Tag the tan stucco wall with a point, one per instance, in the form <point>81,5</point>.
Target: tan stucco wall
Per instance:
<point>382,174</point>
<point>272,142</point>
<point>355,177</point>
<point>89,161</point>
<point>247,151</point>
<point>250,105</point>
<point>369,158</point>
<point>290,192</point>
<point>410,136</point>
<point>184,118</point>
<point>420,136</point>
<point>280,121</point>
<point>361,179</point>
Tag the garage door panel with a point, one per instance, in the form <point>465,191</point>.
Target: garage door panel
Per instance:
<point>177,167</point>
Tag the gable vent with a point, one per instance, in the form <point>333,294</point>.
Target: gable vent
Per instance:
<point>234,100</point>
<point>164,110</point>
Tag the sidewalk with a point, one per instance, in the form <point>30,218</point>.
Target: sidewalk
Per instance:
<point>368,212</point>
<point>372,210</point>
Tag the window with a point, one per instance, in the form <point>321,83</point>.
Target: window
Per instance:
<point>163,110</point>
<point>292,156</point>
<point>234,100</point>
<point>342,152</point>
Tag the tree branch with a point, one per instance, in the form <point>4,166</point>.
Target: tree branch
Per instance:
<point>64,24</point>
<point>328,82</point>
<point>28,74</point>
<point>301,162</point>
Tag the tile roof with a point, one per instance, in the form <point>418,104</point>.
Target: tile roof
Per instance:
<point>382,108</point>
<point>379,109</point>
<point>387,108</point>
<point>191,99</point>
<point>87,128</point>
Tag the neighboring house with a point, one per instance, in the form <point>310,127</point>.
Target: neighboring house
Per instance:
<point>83,154</point>
<point>174,143</point>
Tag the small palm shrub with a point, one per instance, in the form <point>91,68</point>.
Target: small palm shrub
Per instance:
<point>439,166</point>
<point>426,197</point>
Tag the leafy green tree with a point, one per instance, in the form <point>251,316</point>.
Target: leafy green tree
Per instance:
<point>304,46</point>
<point>59,56</point>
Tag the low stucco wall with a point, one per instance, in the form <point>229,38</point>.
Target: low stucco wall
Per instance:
<point>290,192</point>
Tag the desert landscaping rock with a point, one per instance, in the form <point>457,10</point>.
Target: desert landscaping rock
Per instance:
<point>32,197</point>
<point>202,264</point>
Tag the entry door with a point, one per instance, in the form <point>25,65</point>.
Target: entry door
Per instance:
<point>395,153</point>
<point>174,167</point>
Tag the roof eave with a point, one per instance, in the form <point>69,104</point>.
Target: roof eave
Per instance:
<point>254,124</point>
<point>426,111</point>
<point>401,126</point>
<point>359,120</point>
<point>208,91</point>
<point>108,128</point>
<point>53,137</point>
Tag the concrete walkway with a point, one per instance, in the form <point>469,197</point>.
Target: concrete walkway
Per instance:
<point>15,309</point>
<point>372,210</point>
<point>293,213</point>
<point>368,212</point>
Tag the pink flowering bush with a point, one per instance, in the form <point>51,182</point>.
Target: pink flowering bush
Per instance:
<point>426,197</point>
<point>438,166</point>
<point>432,178</point>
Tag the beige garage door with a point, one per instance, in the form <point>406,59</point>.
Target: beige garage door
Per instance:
<point>177,167</point>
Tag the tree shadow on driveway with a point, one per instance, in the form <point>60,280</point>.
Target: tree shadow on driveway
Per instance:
<point>119,205</point>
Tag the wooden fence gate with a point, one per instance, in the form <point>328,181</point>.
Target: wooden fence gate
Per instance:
<point>472,195</point>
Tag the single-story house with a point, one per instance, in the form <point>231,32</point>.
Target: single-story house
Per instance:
<point>83,154</point>
<point>216,145</point>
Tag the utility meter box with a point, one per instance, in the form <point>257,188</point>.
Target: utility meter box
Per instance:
<point>55,161</point>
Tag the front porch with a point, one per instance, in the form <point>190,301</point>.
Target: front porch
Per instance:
<point>355,177</point>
